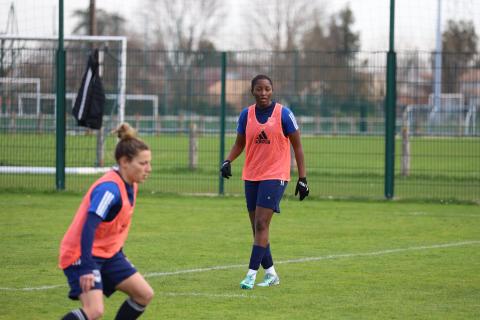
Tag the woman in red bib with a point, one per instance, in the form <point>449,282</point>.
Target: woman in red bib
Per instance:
<point>265,130</point>
<point>91,254</point>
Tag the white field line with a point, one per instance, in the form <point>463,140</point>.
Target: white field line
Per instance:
<point>443,215</point>
<point>300,260</point>
<point>208,295</point>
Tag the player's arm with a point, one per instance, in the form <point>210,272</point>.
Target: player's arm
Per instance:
<point>104,202</point>
<point>238,146</point>
<point>298,150</point>
<point>292,131</point>
<point>237,149</point>
<point>87,265</point>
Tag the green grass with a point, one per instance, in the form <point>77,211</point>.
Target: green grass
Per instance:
<point>353,275</point>
<point>337,166</point>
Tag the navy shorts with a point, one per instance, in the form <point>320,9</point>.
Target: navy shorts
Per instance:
<point>266,194</point>
<point>109,274</point>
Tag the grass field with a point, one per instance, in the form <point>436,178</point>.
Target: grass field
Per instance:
<point>339,167</point>
<point>336,259</point>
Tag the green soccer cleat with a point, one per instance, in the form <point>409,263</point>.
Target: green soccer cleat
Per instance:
<point>269,280</point>
<point>247,283</point>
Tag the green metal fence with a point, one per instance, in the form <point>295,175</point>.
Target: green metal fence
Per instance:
<point>174,99</point>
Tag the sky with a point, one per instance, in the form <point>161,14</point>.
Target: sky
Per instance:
<point>415,20</point>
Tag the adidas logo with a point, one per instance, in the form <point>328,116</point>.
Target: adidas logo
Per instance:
<point>262,138</point>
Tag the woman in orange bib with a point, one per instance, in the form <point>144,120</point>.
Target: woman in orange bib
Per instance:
<point>265,130</point>
<point>91,254</point>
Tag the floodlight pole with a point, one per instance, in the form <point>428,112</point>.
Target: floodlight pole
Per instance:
<point>390,109</point>
<point>60,110</point>
<point>437,88</point>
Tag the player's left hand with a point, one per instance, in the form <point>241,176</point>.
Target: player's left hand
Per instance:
<point>302,188</point>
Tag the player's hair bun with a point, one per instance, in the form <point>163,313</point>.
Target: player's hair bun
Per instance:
<point>124,132</point>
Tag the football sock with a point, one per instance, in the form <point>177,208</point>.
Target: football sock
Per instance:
<point>252,273</point>
<point>76,314</point>
<point>129,310</point>
<point>271,270</point>
<point>256,257</point>
<point>267,260</point>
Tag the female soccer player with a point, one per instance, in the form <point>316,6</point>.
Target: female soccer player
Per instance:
<point>91,254</point>
<point>265,130</point>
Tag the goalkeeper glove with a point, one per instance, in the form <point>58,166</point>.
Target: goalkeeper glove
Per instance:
<point>226,169</point>
<point>302,188</point>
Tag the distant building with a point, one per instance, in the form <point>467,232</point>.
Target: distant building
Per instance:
<point>237,92</point>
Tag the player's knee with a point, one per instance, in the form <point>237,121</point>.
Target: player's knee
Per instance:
<point>149,294</point>
<point>260,226</point>
<point>146,297</point>
<point>94,312</point>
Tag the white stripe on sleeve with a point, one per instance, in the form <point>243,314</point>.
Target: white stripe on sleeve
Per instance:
<point>294,121</point>
<point>104,204</point>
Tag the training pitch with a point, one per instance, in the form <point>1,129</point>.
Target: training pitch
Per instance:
<point>336,259</point>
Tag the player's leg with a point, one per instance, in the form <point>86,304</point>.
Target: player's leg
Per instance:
<point>251,190</point>
<point>267,260</point>
<point>92,304</point>
<point>119,274</point>
<point>251,215</point>
<point>270,195</point>
<point>265,197</point>
<point>263,217</point>
<point>139,292</point>
<point>92,301</point>
<point>92,307</point>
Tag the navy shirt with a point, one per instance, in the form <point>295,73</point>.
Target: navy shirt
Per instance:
<point>289,124</point>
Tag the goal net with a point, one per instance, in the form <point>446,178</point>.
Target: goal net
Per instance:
<point>447,115</point>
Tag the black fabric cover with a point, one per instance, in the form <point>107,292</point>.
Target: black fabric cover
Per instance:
<point>90,101</point>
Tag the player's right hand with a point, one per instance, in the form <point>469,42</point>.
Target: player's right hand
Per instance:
<point>87,282</point>
<point>226,169</point>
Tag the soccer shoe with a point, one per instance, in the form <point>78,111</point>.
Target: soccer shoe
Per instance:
<point>269,280</point>
<point>248,282</point>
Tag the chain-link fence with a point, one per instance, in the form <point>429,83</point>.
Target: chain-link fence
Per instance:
<point>174,99</point>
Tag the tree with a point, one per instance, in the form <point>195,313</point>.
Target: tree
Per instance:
<point>331,65</point>
<point>184,24</point>
<point>109,24</point>
<point>280,27</point>
<point>459,43</point>
<point>185,30</point>
<point>341,36</point>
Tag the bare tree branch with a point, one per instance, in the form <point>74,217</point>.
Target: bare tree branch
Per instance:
<point>281,23</point>
<point>183,24</point>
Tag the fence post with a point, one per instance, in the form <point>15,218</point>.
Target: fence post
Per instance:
<point>158,125</point>
<point>222,119</point>
<point>60,114</point>
<point>405,152</point>
<point>193,146</point>
<point>40,123</point>
<point>390,104</point>
<point>363,118</point>
<point>317,125</point>
<point>13,122</point>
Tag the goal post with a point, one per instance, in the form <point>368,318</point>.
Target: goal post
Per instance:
<point>122,68</point>
<point>8,81</point>
<point>448,116</point>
